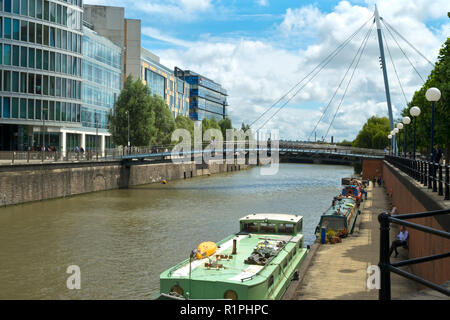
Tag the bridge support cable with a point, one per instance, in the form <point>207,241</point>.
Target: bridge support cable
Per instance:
<point>404,53</point>
<point>395,69</point>
<point>320,66</point>
<point>342,81</point>
<point>388,26</point>
<point>295,94</point>
<point>361,51</point>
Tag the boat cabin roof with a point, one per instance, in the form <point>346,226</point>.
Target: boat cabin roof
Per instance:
<point>279,217</point>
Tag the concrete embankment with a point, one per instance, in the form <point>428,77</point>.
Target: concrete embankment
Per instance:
<point>35,182</point>
<point>339,271</point>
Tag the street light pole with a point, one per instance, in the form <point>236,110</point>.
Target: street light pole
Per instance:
<point>406,121</point>
<point>432,95</point>
<point>414,112</point>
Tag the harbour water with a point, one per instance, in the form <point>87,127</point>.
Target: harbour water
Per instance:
<point>123,239</point>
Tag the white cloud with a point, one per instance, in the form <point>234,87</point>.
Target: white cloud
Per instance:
<point>262,3</point>
<point>256,73</point>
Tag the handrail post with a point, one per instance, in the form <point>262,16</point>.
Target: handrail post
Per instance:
<point>441,191</point>
<point>385,276</point>
<point>425,173</point>
<point>434,177</point>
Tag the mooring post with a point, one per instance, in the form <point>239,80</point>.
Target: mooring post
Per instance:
<point>385,277</point>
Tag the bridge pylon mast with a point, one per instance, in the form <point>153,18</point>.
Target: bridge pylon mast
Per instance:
<point>386,81</point>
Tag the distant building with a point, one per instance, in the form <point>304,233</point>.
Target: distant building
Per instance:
<point>207,99</point>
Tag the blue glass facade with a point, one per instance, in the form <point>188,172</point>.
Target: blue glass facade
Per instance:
<point>102,78</point>
<point>207,98</point>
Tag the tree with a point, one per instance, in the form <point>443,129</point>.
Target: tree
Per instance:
<point>225,124</point>
<point>134,103</point>
<point>373,134</point>
<point>182,122</point>
<point>164,122</point>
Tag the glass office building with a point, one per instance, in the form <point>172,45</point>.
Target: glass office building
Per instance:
<point>207,99</point>
<point>40,72</point>
<point>162,81</point>
<point>102,82</point>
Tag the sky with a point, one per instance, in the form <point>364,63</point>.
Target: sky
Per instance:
<point>259,49</point>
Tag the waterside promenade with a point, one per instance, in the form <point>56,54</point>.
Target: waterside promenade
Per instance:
<point>339,271</point>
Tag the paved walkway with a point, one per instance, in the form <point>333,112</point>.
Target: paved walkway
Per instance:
<point>339,271</point>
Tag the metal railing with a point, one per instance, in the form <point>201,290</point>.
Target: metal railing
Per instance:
<point>435,176</point>
<point>386,267</point>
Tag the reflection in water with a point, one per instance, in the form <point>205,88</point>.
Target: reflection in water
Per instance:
<point>123,239</point>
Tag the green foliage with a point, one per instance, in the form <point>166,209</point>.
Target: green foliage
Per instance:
<point>164,123</point>
<point>225,124</point>
<point>135,100</point>
<point>182,122</point>
<point>438,78</point>
<point>345,143</point>
<point>209,124</point>
<point>374,134</point>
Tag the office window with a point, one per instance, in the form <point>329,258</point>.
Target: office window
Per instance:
<point>16,6</point>
<point>38,59</point>
<point>38,110</point>
<point>1,24</point>
<point>46,10</point>
<point>64,16</point>
<point>64,39</point>
<point>51,111</point>
<point>45,110</point>
<point>1,61</point>
<point>30,109</point>
<point>23,30</point>
<point>6,80</point>
<point>23,56</point>
<point>15,81</point>
<point>58,38</point>
<point>69,41</point>
<point>15,108</point>
<point>74,42</point>
<point>46,32</point>
<point>7,54</point>
<point>23,109</point>
<point>24,8</point>
<point>6,108</point>
<point>32,8</point>
<point>39,9</point>
<point>16,29</point>
<point>31,83</point>
<point>58,62</point>
<point>31,32</point>
<point>7,5</point>
<point>63,111</point>
<point>23,82</point>
<point>45,85</point>
<point>45,60</point>
<point>52,61</point>
<point>63,87</point>
<point>52,36</point>
<point>15,56</point>
<point>39,33</point>
<point>7,30</point>
<point>59,14</point>
<point>52,12</point>
<point>38,84</point>
<point>30,58</point>
<point>58,111</point>
<point>52,86</point>
<point>58,87</point>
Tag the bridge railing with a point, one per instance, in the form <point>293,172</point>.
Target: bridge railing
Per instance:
<point>435,176</point>
<point>331,148</point>
<point>386,267</point>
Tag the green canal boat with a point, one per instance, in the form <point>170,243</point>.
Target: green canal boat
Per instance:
<point>341,216</point>
<point>256,263</point>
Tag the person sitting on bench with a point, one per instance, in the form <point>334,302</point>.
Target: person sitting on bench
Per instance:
<point>401,241</point>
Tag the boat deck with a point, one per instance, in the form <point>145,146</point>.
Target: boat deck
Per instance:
<point>235,269</point>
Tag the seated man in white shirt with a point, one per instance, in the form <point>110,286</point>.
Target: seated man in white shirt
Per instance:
<point>401,241</point>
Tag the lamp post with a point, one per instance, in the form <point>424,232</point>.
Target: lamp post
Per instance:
<point>396,131</point>
<point>433,95</point>
<point>399,127</point>
<point>390,138</point>
<point>414,112</point>
<point>406,120</point>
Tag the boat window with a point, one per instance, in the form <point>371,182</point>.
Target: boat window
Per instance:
<point>267,227</point>
<point>270,281</point>
<point>285,228</point>
<point>300,226</point>
<point>250,227</point>
<point>295,250</point>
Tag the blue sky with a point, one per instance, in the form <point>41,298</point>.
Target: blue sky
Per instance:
<point>258,49</point>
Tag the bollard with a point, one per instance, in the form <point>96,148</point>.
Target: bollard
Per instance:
<point>323,234</point>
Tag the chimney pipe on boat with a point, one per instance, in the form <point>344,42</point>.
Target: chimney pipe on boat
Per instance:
<point>234,246</point>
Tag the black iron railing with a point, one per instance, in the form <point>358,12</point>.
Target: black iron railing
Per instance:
<point>435,176</point>
<point>386,267</point>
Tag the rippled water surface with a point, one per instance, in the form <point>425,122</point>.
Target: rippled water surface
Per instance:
<point>123,239</point>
